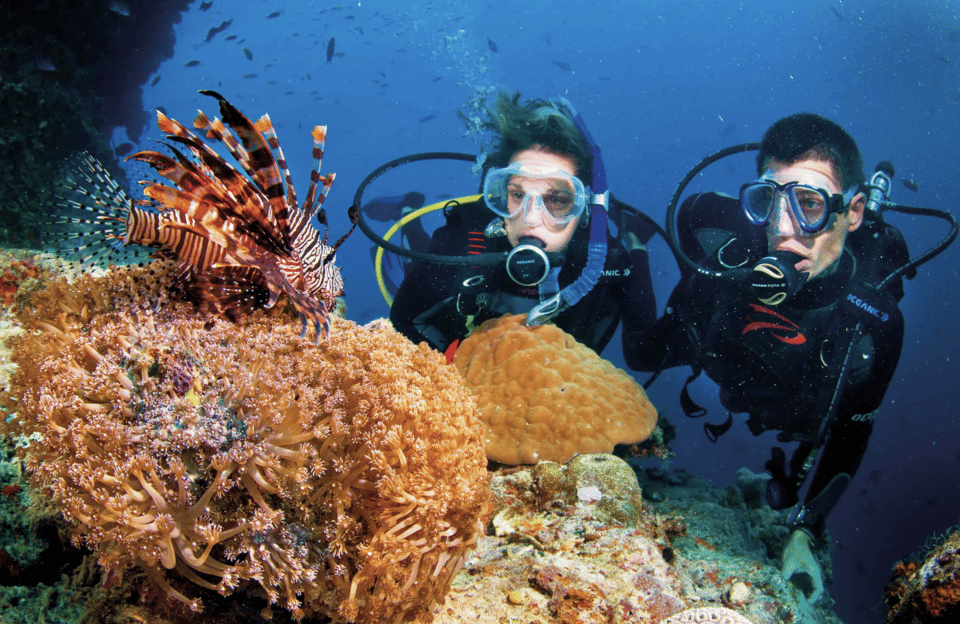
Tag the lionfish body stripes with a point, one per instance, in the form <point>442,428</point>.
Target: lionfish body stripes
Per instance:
<point>240,240</point>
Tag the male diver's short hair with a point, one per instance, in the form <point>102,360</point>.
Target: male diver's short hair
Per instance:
<point>808,136</point>
<point>537,122</point>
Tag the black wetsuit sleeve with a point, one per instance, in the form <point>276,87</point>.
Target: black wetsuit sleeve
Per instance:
<point>851,428</point>
<point>670,340</point>
<point>673,339</point>
<point>639,307</point>
<point>427,285</point>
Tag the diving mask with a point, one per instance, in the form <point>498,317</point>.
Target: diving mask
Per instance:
<point>809,207</point>
<point>520,188</point>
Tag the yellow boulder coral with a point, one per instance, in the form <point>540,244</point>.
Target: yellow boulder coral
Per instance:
<point>345,478</point>
<point>544,396</point>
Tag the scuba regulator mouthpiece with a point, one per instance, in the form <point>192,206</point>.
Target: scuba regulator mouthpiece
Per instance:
<point>771,280</point>
<point>879,186</point>
<point>528,264</point>
<point>774,279</point>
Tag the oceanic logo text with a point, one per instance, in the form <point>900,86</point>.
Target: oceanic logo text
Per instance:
<point>866,307</point>
<point>616,273</point>
<point>785,331</point>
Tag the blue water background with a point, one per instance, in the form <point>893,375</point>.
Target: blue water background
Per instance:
<point>661,84</point>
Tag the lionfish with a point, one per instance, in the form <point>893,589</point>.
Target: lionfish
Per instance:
<point>239,241</point>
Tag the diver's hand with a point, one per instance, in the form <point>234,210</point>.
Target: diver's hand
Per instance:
<point>801,568</point>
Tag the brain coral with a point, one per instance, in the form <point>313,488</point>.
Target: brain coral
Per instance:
<point>544,396</point>
<point>344,478</point>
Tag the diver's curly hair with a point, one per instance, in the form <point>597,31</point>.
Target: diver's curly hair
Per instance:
<point>537,123</point>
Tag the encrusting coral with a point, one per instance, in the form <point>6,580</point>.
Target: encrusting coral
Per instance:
<point>544,396</point>
<point>345,478</point>
<point>927,591</point>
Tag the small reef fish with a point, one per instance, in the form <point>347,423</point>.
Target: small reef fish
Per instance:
<point>216,30</point>
<point>154,82</point>
<point>275,14</point>
<point>193,63</point>
<point>205,6</point>
<point>562,65</point>
<point>910,184</point>
<point>836,12</point>
<point>247,53</point>
<point>427,118</point>
<point>491,45</point>
<point>331,46</point>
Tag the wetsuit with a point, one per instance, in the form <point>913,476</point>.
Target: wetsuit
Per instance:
<point>440,303</point>
<point>780,364</point>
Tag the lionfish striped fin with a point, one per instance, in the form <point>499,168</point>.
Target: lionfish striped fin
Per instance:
<point>209,160</point>
<point>215,129</point>
<point>203,199</point>
<point>265,127</point>
<point>184,174</point>
<point>244,201</point>
<point>319,135</point>
<point>263,167</point>
<point>88,222</point>
<point>233,292</point>
<point>241,186</point>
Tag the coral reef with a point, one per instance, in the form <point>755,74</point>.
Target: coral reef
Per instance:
<point>707,615</point>
<point>554,553</point>
<point>543,396</point>
<point>344,478</point>
<point>24,272</point>
<point>928,591</point>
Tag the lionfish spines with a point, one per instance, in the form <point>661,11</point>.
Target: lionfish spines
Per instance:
<point>90,219</point>
<point>239,235</point>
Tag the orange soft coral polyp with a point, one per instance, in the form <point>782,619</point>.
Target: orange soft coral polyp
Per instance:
<point>345,478</point>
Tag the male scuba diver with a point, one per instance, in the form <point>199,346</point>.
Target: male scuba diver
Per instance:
<point>788,300</point>
<point>544,239</point>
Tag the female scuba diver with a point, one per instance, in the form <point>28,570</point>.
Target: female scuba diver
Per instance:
<point>545,239</point>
